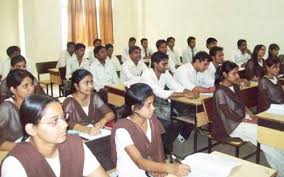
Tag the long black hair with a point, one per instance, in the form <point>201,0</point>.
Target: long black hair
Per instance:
<point>77,76</point>
<point>255,52</point>
<point>226,67</point>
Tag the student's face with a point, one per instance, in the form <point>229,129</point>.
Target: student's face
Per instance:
<point>97,43</point>
<point>203,65</point>
<point>219,57</point>
<point>171,43</point>
<point>233,76</point>
<point>135,55</point>
<point>52,127</point>
<point>145,44</point>
<point>163,48</point>
<point>261,52</point>
<point>71,49</point>
<point>274,52</point>
<point>102,54</point>
<point>26,88</point>
<point>131,44</point>
<point>148,108</point>
<point>80,52</point>
<point>243,46</point>
<point>109,52</point>
<point>20,65</point>
<point>192,43</point>
<point>274,69</point>
<point>162,66</point>
<point>212,44</point>
<point>85,86</point>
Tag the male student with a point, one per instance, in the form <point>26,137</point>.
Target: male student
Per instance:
<point>162,47</point>
<point>146,52</point>
<point>211,42</point>
<point>77,61</point>
<point>243,54</point>
<point>66,55</point>
<point>6,65</point>
<point>190,75</point>
<point>190,50</point>
<point>171,51</point>
<point>125,52</point>
<point>114,60</point>
<point>133,68</point>
<point>91,55</point>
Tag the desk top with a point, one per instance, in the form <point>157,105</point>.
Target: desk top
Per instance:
<point>54,69</point>
<point>269,116</point>
<point>190,101</point>
<point>252,84</point>
<point>118,86</point>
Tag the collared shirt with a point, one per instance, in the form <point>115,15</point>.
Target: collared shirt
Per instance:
<point>158,85</point>
<point>64,57</point>
<point>187,54</point>
<point>114,60</point>
<point>125,54</point>
<point>240,58</point>
<point>146,52</point>
<point>6,67</point>
<point>91,55</point>
<point>173,54</point>
<point>208,76</point>
<point>131,73</point>
<point>103,74</point>
<point>73,65</point>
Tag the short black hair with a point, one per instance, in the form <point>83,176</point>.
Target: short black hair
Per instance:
<point>272,61</point>
<point>170,38</point>
<point>189,39</point>
<point>17,59</point>
<point>210,40</point>
<point>79,46</point>
<point>157,57</point>
<point>69,44</point>
<point>240,42</point>
<point>213,51</point>
<point>131,49</point>
<point>98,48</point>
<point>107,46</point>
<point>97,40</point>
<point>201,56</point>
<point>143,39</point>
<point>131,39</point>
<point>16,76</point>
<point>160,42</point>
<point>10,50</point>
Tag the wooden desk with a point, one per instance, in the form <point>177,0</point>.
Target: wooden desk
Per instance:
<point>115,94</point>
<point>281,80</point>
<point>249,94</point>
<point>246,168</point>
<point>55,76</point>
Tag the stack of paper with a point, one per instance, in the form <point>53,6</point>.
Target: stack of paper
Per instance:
<point>277,109</point>
<point>104,132</point>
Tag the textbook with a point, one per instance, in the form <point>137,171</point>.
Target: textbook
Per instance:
<point>277,109</point>
<point>104,132</point>
<point>209,165</point>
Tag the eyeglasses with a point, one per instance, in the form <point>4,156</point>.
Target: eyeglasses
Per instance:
<point>56,120</point>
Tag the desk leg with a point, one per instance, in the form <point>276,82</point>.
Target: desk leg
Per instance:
<point>257,153</point>
<point>195,131</point>
<point>51,89</point>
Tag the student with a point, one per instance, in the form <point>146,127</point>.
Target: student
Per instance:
<point>17,62</point>
<point>11,52</point>
<point>66,55</point>
<point>102,70</point>
<point>114,60</point>
<point>255,67</point>
<point>21,84</point>
<point>146,52</point>
<point>172,52</point>
<point>87,112</point>
<point>125,53</point>
<point>273,51</point>
<point>233,119</point>
<point>77,61</point>
<point>211,42</point>
<point>162,47</point>
<point>133,68</point>
<point>270,90</point>
<point>136,140</point>
<point>96,42</point>
<point>191,77</point>
<point>190,51</point>
<point>243,54</point>
<point>53,152</point>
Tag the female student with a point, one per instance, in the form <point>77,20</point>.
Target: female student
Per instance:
<point>53,152</point>
<point>21,84</point>
<point>273,51</point>
<point>136,140</point>
<point>255,68</point>
<point>88,113</point>
<point>233,119</point>
<point>270,90</point>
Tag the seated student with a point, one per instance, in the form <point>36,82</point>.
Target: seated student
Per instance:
<point>190,51</point>
<point>270,90</point>
<point>172,52</point>
<point>91,56</point>
<point>136,140</point>
<point>66,55</point>
<point>53,152</point>
<point>211,42</point>
<point>6,65</point>
<point>132,69</point>
<point>243,54</point>
<point>146,52</point>
<point>233,119</point>
<point>77,61</point>
<point>17,62</point>
<point>85,107</point>
<point>255,67</point>
<point>125,52</point>
<point>21,84</point>
<point>191,77</point>
<point>114,60</point>
<point>162,47</point>
<point>273,51</point>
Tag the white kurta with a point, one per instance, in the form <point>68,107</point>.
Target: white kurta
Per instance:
<point>73,65</point>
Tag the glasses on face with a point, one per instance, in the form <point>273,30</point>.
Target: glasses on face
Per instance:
<point>56,120</point>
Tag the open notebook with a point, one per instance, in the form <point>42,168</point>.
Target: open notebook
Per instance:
<point>277,109</point>
<point>104,132</point>
<point>209,165</point>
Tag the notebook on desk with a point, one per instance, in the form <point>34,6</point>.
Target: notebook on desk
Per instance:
<point>104,132</point>
<point>277,109</point>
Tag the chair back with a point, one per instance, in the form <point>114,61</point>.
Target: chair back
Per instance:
<point>43,67</point>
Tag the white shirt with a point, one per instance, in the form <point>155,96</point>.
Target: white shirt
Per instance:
<point>125,54</point>
<point>125,165</point>
<point>91,56</point>
<point>73,65</point>
<point>188,77</point>
<point>12,167</point>
<point>208,76</point>
<point>131,73</point>
<point>114,60</point>
<point>103,74</point>
<point>64,57</point>
<point>187,54</point>
<point>240,58</point>
<point>172,65</point>
<point>149,77</point>
<point>147,51</point>
<point>6,67</point>
<point>173,54</point>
